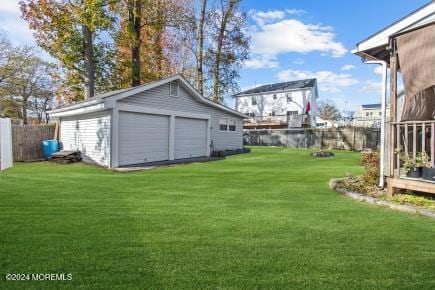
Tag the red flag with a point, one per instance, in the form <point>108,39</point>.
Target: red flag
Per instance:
<point>308,108</point>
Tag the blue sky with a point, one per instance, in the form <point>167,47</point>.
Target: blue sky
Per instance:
<point>297,39</point>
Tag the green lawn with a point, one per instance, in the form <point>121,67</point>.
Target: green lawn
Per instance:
<point>261,220</point>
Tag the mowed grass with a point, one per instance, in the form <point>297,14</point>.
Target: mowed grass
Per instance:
<point>261,220</point>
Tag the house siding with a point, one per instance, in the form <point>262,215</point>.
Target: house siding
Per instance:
<point>267,105</point>
<point>89,133</point>
<point>159,98</point>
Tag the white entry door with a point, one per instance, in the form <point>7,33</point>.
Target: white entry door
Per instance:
<point>143,138</point>
<point>190,138</point>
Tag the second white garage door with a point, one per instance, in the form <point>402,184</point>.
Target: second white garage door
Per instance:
<point>190,138</point>
<point>143,138</point>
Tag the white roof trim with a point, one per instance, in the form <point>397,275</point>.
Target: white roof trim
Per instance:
<point>78,110</point>
<point>420,17</point>
<point>111,100</point>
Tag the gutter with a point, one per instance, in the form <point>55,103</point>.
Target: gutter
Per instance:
<point>383,109</point>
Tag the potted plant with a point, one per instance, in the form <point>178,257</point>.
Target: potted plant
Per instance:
<point>413,167</point>
<point>428,172</point>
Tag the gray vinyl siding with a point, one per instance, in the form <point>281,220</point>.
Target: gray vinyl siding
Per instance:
<point>88,133</point>
<point>159,98</point>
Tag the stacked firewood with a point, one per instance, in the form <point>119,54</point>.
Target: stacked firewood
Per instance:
<point>66,157</point>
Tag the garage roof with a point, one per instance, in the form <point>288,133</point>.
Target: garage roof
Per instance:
<point>113,96</point>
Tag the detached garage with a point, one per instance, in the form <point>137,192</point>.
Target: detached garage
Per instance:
<point>163,120</point>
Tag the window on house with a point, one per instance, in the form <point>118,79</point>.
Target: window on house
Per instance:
<point>273,113</point>
<point>371,113</point>
<point>292,113</point>
<point>367,114</point>
<point>232,125</point>
<point>254,101</point>
<point>274,96</point>
<point>289,97</point>
<point>380,113</point>
<point>173,89</point>
<point>223,124</point>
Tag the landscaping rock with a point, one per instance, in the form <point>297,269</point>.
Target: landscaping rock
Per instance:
<point>322,153</point>
<point>334,184</point>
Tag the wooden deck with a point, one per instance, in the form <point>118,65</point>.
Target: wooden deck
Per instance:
<point>415,184</point>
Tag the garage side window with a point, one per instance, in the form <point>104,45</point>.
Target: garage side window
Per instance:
<point>232,125</point>
<point>173,89</point>
<point>223,124</point>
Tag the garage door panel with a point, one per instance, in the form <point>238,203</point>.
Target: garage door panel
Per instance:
<point>143,138</point>
<point>190,138</point>
<point>141,149</point>
<point>140,137</point>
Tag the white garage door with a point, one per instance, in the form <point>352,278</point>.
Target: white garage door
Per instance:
<point>143,138</point>
<point>190,138</point>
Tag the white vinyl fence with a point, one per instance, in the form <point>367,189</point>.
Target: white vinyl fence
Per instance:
<point>6,156</point>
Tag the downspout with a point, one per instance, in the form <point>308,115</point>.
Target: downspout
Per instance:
<point>383,108</point>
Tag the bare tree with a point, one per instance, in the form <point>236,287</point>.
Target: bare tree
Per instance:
<point>11,58</point>
<point>327,110</point>
<point>31,88</point>
<point>200,74</point>
<point>229,48</point>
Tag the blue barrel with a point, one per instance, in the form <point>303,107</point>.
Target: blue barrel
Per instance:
<point>49,147</point>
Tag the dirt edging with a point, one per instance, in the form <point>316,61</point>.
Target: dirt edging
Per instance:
<point>373,200</point>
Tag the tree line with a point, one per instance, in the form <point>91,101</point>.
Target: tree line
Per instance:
<point>102,45</point>
<point>27,83</point>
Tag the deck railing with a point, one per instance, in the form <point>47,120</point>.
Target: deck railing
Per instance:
<point>413,137</point>
<point>290,120</point>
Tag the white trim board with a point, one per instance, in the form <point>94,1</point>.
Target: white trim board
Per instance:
<point>79,111</point>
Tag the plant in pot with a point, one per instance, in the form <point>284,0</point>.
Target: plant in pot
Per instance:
<point>413,167</point>
<point>428,172</point>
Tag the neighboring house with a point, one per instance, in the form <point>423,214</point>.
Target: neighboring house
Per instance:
<point>368,115</point>
<point>163,120</point>
<point>324,124</point>
<point>281,105</point>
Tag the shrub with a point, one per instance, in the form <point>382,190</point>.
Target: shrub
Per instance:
<point>371,163</point>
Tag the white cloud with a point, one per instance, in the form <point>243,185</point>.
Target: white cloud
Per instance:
<point>295,11</point>
<point>261,61</point>
<point>378,70</point>
<point>347,67</point>
<point>298,61</point>
<point>263,17</point>
<point>291,35</point>
<point>9,6</point>
<point>328,81</point>
<point>11,22</point>
<point>371,86</point>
